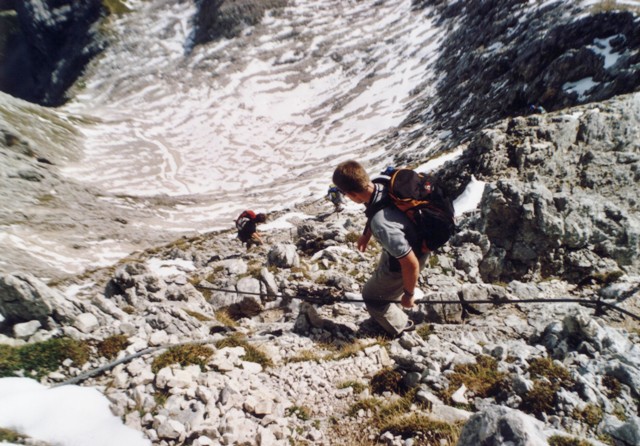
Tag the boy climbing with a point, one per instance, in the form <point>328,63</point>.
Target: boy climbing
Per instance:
<point>246,224</point>
<point>394,281</point>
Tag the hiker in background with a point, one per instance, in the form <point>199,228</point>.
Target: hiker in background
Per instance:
<point>536,109</point>
<point>393,283</point>
<point>335,196</point>
<point>246,224</point>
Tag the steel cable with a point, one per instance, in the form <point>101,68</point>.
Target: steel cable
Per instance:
<point>326,300</point>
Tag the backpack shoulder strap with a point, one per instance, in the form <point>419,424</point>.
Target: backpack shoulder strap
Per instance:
<point>373,209</point>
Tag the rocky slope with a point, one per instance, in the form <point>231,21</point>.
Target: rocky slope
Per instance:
<point>289,364</point>
<point>264,352</point>
<point>502,56</point>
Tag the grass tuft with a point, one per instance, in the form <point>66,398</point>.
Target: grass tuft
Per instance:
<point>9,436</point>
<point>482,378</point>
<point>399,416</point>
<point>560,440</point>
<point>305,356</point>
<point>199,316</point>
<point>547,368</point>
<point>612,5</point>
<point>421,427</point>
<point>111,346</point>
<point>548,378</point>
<point>613,386</point>
<point>591,415</point>
<point>352,237</point>
<point>357,386</point>
<point>387,380</point>
<point>225,318</point>
<point>301,412</point>
<point>540,399</point>
<point>424,331</point>
<point>336,353</point>
<point>116,6</point>
<point>252,354</point>
<point>184,355</point>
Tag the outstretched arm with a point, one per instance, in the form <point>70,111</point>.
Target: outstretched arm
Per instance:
<point>363,241</point>
<point>257,237</point>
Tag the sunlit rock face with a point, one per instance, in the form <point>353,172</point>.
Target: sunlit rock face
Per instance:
<point>560,198</point>
<point>501,57</point>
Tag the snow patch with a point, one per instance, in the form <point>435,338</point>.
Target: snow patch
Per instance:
<point>580,87</point>
<point>169,268</point>
<point>67,415</point>
<point>470,198</point>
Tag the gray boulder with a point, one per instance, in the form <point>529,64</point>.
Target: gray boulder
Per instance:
<point>626,432</point>
<point>24,298</point>
<point>497,426</point>
<point>283,256</point>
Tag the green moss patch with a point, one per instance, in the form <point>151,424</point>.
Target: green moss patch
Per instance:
<point>39,359</point>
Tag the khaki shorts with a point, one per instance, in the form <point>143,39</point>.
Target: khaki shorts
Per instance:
<point>382,294</point>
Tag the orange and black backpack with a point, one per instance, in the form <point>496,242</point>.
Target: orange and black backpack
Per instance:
<point>423,201</point>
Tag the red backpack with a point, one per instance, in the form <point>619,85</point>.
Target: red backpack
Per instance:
<point>244,218</point>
